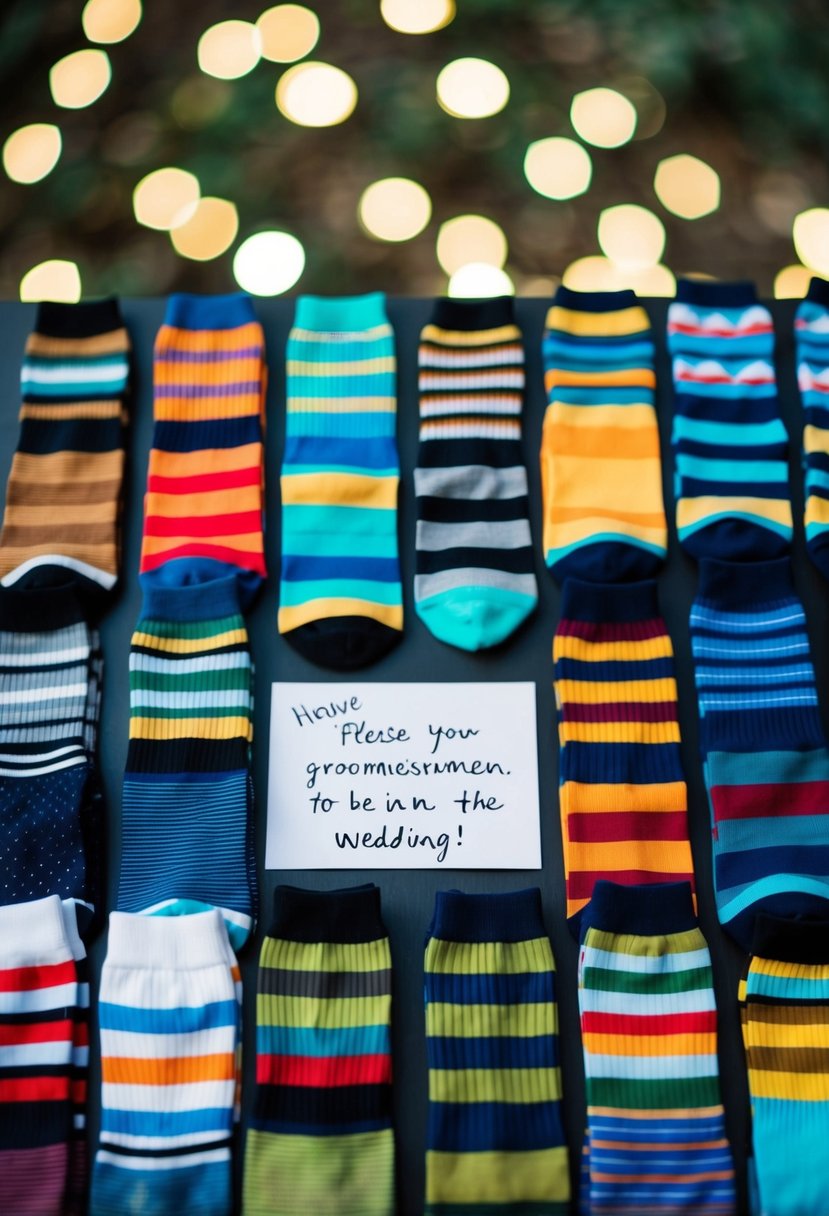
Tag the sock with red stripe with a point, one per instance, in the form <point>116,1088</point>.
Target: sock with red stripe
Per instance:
<point>320,1139</point>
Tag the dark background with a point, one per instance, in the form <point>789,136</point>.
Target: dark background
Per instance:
<point>408,896</point>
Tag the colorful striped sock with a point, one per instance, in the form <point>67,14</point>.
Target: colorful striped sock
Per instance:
<point>204,502</point>
<point>77,1180</point>
<point>785,1017</point>
<point>340,599</point>
<point>495,1143</point>
<point>187,824</point>
<point>765,756</point>
<point>729,441</point>
<point>604,517</point>
<point>656,1128</point>
<point>811,332</point>
<point>622,790</point>
<point>475,581</point>
<point>321,1138</point>
<point>169,1020</point>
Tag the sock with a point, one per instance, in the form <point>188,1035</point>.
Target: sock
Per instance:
<point>475,582</point>
<point>340,599</point>
<point>656,1128</point>
<point>785,1017</point>
<point>494,1142</point>
<point>622,790</point>
<point>64,490</point>
<point>765,758</point>
<point>187,826</point>
<point>811,332</point>
<point>729,441</point>
<point>601,477</point>
<point>204,502</point>
<point>38,1001</point>
<point>77,1175</point>
<point>169,1022</point>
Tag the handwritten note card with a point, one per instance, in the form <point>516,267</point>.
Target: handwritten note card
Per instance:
<point>403,777</point>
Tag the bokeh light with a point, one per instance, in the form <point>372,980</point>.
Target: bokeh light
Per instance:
<point>557,167</point>
<point>394,209</point>
<point>165,198</point>
<point>596,273</point>
<point>316,94</point>
<point>417,16</point>
<point>55,279</point>
<point>268,263</point>
<point>811,238</point>
<point>477,280</point>
<point>603,117</point>
<point>470,238</point>
<point>80,78</point>
<point>229,49</point>
<point>472,88</point>
<point>31,152</point>
<point>209,232</point>
<point>110,20</point>
<point>631,235</point>
<point>288,32</point>
<point>792,282</point>
<point>687,186</point>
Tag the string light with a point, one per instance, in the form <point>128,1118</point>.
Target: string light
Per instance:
<point>687,186</point>
<point>477,280</point>
<point>55,279</point>
<point>268,263</point>
<point>470,238</point>
<point>229,49</point>
<point>603,117</point>
<point>557,167</point>
<point>316,94</point>
<point>417,16</point>
<point>811,238</point>
<point>288,32</point>
<point>472,88</point>
<point>596,273</point>
<point>80,78</point>
<point>394,209</point>
<point>209,232</point>
<point>30,153</point>
<point>165,198</point>
<point>792,282</point>
<point>631,236</point>
<point>110,20</point>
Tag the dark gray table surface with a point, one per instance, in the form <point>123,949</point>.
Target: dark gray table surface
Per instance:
<point>408,896</point>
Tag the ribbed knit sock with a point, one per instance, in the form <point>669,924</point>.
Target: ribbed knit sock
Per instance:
<point>204,502</point>
<point>474,581</point>
<point>811,334</point>
<point>321,1137</point>
<point>622,790</point>
<point>340,599</point>
<point>765,757</point>
<point>656,1128</point>
<point>187,825</point>
<point>785,1017</point>
<point>729,442</point>
<point>64,490</point>
<point>604,517</point>
<point>494,1143</point>
<point>38,1003</point>
<point>169,1022</point>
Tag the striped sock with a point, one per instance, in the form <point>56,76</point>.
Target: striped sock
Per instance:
<point>495,1142</point>
<point>811,332</point>
<point>187,813</point>
<point>729,441</point>
<point>475,582</point>
<point>656,1129</point>
<point>39,993</point>
<point>785,1018</point>
<point>76,1196</point>
<point>64,490</point>
<point>340,599</point>
<point>321,1138</point>
<point>204,501</point>
<point>169,1021</point>
<point>621,786</point>
<point>765,756</point>
<point>604,518</point>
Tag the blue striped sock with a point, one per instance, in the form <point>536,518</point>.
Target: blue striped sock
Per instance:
<point>811,331</point>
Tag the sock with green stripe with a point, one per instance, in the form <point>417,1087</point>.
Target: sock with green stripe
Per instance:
<point>655,1122</point>
<point>495,1144</point>
<point>320,1139</point>
<point>340,599</point>
<point>475,582</point>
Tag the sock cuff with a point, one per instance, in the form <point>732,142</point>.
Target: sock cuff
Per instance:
<point>341,313</point>
<point>594,301</point>
<point>739,294</point>
<point>818,291</point>
<point>31,931</point>
<point>346,914</point>
<point>167,943</point>
<point>515,916</point>
<point>473,314</point>
<point>740,585</point>
<point>194,602</point>
<point>607,603</point>
<point>791,940</point>
<point>40,609</point>
<point>642,910</point>
<point>185,311</point>
<point>83,320</point>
